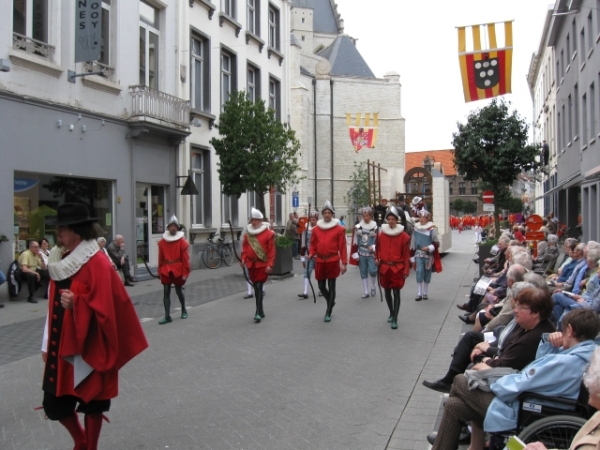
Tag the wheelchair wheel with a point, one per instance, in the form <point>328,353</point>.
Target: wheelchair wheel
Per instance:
<point>227,255</point>
<point>211,258</point>
<point>553,431</point>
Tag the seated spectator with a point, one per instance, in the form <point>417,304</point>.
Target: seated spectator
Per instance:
<point>44,252</point>
<point>116,251</point>
<point>532,309</point>
<point>549,253</point>
<point>590,299</point>
<point>102,244</point>
<point>519,236</point>
<point>496,263</point>
<point>575,256</point>
<point>560,362</point>
<point>588,436</point>
<point>33,270</point>
<point>515,346</point>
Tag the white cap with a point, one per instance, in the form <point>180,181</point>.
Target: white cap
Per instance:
<point>174,220</point>
<point>328,206</point>
<point>256,214</point>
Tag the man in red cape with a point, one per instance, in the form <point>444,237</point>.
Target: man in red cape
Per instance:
<point>328,247</point>
<point>173,267</point>
<point>393,259</point>
<point>92,329</point>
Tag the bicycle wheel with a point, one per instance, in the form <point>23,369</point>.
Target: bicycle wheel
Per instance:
<point>211,258</point>
<point>227,255</point>
<point>553,431</point>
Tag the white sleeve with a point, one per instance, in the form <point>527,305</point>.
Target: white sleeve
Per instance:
<point>45,336</point>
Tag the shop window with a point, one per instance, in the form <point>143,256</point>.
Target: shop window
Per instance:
<point>37,196</point>
<point>200,167</point>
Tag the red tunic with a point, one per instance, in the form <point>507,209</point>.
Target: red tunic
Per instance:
<point>102,327</point>
<point>173,261</point>
<point>393,254</point>
<point>256,266</point>
<point>328,247</point>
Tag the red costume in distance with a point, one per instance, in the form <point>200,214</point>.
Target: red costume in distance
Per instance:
<point>256,266</point>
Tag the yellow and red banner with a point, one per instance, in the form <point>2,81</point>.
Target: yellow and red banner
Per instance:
<point>485,70</point>
<point>363,130</point>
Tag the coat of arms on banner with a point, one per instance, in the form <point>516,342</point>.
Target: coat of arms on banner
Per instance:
<point>485,69</point>
<point>363,130</point>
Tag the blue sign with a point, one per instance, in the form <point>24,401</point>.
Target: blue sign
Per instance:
<point>24,184</point>
<point>295,202</point>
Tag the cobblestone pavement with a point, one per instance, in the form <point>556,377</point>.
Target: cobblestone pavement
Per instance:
<point>220,381</point>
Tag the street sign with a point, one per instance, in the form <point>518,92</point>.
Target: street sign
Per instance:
<point>488,197</point>
<point>88,24</point>
<point>489,207</point>
<point>295,201</point>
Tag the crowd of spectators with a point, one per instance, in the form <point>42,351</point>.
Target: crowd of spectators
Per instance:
<point>533,331</point>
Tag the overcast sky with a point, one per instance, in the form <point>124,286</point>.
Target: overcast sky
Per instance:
<point>418,39</point>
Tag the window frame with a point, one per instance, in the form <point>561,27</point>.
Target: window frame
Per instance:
<point>250,67</point>
<point>150,28</point>
<point>231,73</point>
<point>274,38</point>
<point>198,40</point>
<point>275,96</point>
<point>200,203</point>
<point>253,12</point>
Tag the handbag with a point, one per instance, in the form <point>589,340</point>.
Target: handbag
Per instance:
<point>353,250</point>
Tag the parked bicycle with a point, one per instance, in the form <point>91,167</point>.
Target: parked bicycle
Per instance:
<point>217,252</point>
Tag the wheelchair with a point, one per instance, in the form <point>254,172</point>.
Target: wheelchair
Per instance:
<point>555,426</point>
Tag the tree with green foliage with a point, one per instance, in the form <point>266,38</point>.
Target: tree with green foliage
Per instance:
<point>458,205</point>
<point>358,194</point>
<point>256,151</point>
<point>470,207</point>
<point>492,147</point>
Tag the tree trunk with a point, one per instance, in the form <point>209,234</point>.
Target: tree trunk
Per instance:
<point>261,205</point>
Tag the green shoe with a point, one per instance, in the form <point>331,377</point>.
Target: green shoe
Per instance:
<point>327,319</point>
<point>184,315</point>
<point>394,325</point>
<point>390,319</point>
<point>257,318</point>
<point>165,320</point>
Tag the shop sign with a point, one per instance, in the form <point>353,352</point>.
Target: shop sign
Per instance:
<point>24,184</point>
<point>88,24</point>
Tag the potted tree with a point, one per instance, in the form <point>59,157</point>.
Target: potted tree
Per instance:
<point>284,262</point>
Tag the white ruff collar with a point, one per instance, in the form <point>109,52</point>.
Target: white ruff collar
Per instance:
<point>251,230</point>
<point>61,269</point>
<point>428,226</point>
<point>367,226</point>
<point>392,231</point>
<point>170,238</point>
<point>327,225</point>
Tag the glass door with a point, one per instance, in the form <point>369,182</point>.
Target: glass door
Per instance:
<point>150,221</point>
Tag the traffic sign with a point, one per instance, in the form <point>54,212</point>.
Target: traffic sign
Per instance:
<point>488,197</point>
<point>489,207</point>
<point>295,201</point>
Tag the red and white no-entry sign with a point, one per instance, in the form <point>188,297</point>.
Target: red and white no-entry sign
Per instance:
<point>488,197</point>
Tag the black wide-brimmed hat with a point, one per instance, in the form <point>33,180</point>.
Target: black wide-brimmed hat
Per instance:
<point>71,214</point>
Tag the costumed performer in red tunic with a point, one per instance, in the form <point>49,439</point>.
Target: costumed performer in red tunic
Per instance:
<point>258,255</point>
<point>92,329</point>
<point>328,247</point>
<point>173,267</point>
<point>393,259</point>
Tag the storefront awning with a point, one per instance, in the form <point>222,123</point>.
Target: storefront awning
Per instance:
<point>568,182</point>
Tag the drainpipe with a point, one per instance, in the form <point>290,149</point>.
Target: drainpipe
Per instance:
<point>314,83</point>
<point>331,133</point>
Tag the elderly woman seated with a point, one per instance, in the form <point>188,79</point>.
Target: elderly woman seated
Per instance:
<point>588,437</point>
<point>557,371</point>
<point>573,255</point>
<point>549,253</point>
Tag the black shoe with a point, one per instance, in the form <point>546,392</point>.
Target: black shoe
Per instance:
<point>466,320</point>
<point>365,296</point>
<point>425,297</point>
<point>464,306</point>
<point>132,279</point>
<point>418,298</point>
<point>303,295</point>
<point>431,437</point>
<point>248,296</point>
<point>1,305</point>
<point>465,436</point>
<point>31,300</point>
<point>127,283</point>
<point>438,385</point>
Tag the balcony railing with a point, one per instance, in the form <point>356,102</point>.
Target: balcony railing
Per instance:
<point>33,46</point>
<point>158,105</point>
<point>95,66</point>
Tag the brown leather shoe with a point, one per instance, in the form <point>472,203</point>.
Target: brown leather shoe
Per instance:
<point>463,307</point>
